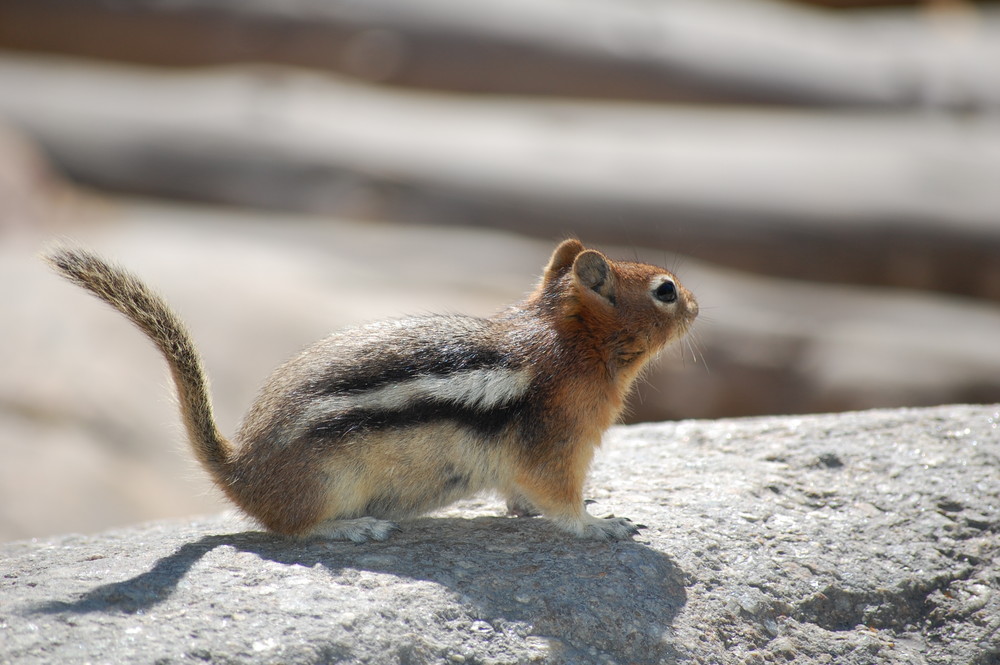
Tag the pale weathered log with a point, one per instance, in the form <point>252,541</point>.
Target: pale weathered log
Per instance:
<point>902,199</point>
<point>742,50</point>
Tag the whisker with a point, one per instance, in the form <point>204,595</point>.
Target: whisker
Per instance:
<point>693,345</point>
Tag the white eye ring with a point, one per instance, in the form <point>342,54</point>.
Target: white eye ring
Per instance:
<point>665,291</point>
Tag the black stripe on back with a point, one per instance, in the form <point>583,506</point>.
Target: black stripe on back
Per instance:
<point>487,423</point>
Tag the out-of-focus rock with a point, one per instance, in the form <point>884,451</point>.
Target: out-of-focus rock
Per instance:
<point>33,198</point>
<point>776,346</point>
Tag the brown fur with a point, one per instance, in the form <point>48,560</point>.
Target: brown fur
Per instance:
<point>562,362</point>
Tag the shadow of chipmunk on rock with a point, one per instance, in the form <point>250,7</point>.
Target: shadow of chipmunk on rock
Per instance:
<point>618,598</point>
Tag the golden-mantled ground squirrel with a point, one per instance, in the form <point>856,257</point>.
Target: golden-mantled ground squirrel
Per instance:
<point>397,418</point>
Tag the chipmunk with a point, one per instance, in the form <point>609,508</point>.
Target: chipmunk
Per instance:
<point>397,418</point>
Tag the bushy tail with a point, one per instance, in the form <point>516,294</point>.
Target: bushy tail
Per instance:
<point>150,313</point>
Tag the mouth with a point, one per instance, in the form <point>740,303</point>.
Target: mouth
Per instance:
<point>685,325</point>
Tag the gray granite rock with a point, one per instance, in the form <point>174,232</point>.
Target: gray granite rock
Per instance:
<point>854,538</point>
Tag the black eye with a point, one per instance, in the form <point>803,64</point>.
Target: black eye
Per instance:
<point>666,292</point>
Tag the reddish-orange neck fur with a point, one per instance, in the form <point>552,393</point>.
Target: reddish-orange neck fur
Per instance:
<point>593,345</point>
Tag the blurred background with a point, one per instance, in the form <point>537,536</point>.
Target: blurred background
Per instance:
<point>825,176</point>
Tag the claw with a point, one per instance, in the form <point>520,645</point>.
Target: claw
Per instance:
<point>614,528</point>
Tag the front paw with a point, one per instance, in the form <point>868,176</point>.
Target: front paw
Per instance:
<point>611,528</point>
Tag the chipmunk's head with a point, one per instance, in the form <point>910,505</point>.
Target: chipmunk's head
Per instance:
<point>634,309</point>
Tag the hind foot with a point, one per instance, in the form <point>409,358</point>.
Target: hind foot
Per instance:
<point>358,530</point>
<point>519,506</point>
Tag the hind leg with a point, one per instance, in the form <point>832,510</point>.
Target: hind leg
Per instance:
<point>359,530</point>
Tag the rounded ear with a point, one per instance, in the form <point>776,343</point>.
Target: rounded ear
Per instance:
<point>562,259</point>
<point>592,272</point>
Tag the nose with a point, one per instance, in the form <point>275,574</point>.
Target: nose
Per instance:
<point>692,306</point>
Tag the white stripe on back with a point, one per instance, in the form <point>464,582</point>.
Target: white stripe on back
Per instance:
<point>475,388</point>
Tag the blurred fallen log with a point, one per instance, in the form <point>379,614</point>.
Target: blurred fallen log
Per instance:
<point>696,50</point>
<point>899,199</point>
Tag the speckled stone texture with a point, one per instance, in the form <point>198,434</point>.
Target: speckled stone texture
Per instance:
<point>852,539</point>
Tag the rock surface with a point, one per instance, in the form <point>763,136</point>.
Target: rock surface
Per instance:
<point>855,538</point>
